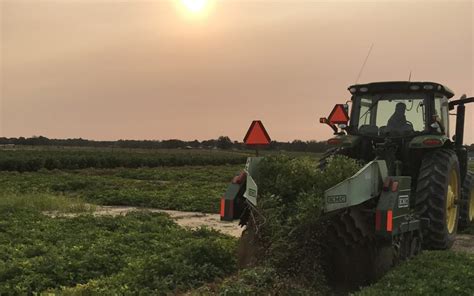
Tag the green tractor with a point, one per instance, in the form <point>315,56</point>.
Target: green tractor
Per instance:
<point>414,191</point>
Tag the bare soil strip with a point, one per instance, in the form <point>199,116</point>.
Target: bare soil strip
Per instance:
<point>185,219</point>
<point>463,243</point>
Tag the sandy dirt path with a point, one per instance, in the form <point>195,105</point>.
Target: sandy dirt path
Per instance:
<point>463,243</point>
<point>185,219</point>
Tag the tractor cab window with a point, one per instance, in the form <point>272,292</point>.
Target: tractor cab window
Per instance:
<point>440,120</point>
<point>391,114</point>
<point>365,111</point>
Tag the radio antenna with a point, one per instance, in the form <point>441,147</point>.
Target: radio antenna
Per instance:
<point>409,76</point>
<point>363,65</point>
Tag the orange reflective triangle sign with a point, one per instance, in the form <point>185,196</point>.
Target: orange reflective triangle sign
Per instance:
<point>257,135</point>
<point>338,115</point>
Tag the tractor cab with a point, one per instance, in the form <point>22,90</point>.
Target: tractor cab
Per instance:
<point>396,109</point>
<point>399,109</point>
<point>396,121</point>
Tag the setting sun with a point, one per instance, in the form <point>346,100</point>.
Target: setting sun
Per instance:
<point>195,6</point>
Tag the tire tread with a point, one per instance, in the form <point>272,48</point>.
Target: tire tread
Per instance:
<point>431,194</point>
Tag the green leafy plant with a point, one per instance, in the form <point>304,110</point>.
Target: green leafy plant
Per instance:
<point>34,160</point>
<point>140,252</point>
<point>431,273</point>
<point>287,224</point>
<point>189,188</point>
<point>258,281</point>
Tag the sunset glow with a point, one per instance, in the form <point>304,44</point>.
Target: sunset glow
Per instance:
<point>195,6</point>
<point>199,69</point>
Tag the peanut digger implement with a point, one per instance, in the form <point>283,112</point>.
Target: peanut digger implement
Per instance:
<point>414,191</point>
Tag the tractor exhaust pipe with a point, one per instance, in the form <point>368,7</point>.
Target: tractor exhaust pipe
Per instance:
<point>460,114</point>
<point>459,140</point>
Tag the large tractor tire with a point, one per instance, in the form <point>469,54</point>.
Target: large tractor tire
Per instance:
<point>467,209</point>
<point>437,195</point>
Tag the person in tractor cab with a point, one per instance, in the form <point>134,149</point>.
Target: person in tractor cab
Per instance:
<point>398,121</point>
<point>437,123</point>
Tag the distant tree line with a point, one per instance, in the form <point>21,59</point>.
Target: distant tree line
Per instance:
<point>222,142</point>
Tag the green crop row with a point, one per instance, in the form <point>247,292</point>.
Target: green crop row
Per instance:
<point>34,160</point>
<point>260,280</point>
<point>139,253</point>
<point>469,230</point>
<point>192,188</point>
<point>431,273</point>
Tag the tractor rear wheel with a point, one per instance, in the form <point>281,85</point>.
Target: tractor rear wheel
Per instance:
<point>467,209</point>
<point>437,195</point>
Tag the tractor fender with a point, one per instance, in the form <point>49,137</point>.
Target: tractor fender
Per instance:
<point>428,141</point>
<point>345,141</point>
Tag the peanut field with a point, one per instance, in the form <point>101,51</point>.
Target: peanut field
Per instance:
<point>75,252</point>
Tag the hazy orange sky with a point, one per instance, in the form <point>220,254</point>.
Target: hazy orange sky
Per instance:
<point>149,70</point>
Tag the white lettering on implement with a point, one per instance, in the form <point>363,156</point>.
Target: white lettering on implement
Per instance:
<point>336,199</point>
<point>403,201</point>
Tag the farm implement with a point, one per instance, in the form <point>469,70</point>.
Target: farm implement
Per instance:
<point>413,192</point>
